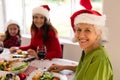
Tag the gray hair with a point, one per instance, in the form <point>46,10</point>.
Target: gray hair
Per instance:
<point>104,38</point>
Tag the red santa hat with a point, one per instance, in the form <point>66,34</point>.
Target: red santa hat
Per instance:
<point>87,15</point>
<point>43,10</point>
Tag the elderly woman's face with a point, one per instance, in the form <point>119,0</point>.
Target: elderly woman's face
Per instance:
<point>38,20</point>
<point>86,35</point>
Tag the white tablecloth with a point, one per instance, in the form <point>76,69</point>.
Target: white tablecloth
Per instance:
<point>5,54</point>
<point>45,64</point>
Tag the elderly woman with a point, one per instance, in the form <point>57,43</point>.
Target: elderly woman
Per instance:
<point>94,64</point>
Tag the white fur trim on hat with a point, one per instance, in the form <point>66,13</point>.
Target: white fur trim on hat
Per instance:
<point>11,22</point>
<point>90,19</point>
<point>42,11</point>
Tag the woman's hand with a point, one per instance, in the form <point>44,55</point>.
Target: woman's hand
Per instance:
<point>32,53</point>
<point>56,68</point>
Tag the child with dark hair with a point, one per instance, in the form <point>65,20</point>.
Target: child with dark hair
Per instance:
<point>12,35</point>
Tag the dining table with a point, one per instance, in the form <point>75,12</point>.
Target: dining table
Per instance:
<point>43,64</point>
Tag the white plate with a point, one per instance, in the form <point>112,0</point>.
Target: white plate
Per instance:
<point>17,65</point>
<point>62,77</point>
<point>21,57</point>
<point>3,73</point>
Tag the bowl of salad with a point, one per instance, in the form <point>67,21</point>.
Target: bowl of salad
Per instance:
<point>46,75</point>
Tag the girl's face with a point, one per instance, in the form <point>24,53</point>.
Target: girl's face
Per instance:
<point>13,29</point>
<point>38,20</point>
<point>87,36</point>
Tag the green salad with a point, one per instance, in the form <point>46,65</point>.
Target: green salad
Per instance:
<point>20,67</point>
<point>47,76</point>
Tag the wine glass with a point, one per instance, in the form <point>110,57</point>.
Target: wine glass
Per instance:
<point>1,47</point>
<point>41,52</point>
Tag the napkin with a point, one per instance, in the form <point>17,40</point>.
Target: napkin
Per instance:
<point>29,70</point>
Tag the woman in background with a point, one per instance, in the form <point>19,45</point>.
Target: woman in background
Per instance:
<point>43,34</point>
<point>12,35</point>
<point>89,27</point>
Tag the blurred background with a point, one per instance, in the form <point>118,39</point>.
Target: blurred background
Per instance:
<point>61,10</point>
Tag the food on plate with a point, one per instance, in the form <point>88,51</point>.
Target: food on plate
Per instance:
<point>9,76</point>
<point>18,65</point>
<point>13,65</point>
<point>19,51</point>
<point>44,76</point>
<point>21,54</point>
<point>4,65</point>
<point>55,78</point>
<point>18,56</point>
<point>37,76</point>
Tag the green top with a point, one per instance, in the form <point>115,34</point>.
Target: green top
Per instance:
<point>94,65</point>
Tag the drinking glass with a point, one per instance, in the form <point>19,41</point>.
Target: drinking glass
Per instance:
<point>1,47</point>
<point>41,52</point>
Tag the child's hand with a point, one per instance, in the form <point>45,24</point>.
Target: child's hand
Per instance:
<point>13,49</point>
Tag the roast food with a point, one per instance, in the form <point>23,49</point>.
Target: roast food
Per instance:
<point>19,51</point>
<point>44,76</point>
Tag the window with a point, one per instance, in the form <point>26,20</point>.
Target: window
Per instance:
<point>59,14</point>
<point>1,16</point>
<point>14,11</point>
<point>61,10</point>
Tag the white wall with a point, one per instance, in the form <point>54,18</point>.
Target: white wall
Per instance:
<point>71,51</point>
<point>111,9</point>
<point>25,41</point>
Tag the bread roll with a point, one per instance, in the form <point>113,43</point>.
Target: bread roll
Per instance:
<point>37,76</point>
<point>19,51</point>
